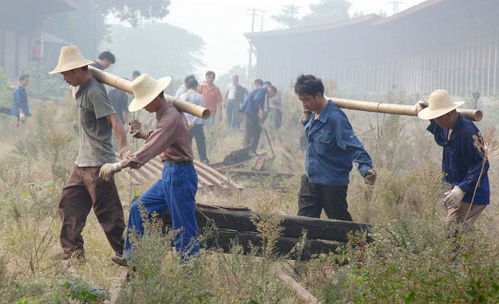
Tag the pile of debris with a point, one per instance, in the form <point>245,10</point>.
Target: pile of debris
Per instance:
<point>208,178</point>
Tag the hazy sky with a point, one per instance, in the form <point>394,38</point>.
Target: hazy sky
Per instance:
<point>221,24</point>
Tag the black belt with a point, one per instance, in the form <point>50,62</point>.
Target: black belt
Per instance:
<point>178,162</point>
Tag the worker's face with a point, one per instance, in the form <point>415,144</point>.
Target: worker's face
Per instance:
<point>210,78</point>
<point>105,63</point>
<point>24,82</point>
<point>153,105</point>
<point>311,102</point>
<point>446,121</point>
<point>271,92</point>
<point>72,77</point>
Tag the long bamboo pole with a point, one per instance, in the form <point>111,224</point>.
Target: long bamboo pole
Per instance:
<point>126,85</point>
<point>398,109</point>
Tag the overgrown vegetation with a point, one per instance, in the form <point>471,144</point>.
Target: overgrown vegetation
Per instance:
<point>412,259</point>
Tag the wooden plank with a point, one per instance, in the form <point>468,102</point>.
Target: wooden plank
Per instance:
<point>251,242</point>
<point>293,226</point>
<point>5,110</point>
<point>304,294</point>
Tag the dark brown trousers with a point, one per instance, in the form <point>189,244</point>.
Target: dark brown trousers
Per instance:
<point>83,191</point>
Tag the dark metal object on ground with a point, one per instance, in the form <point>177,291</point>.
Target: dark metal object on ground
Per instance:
<point>237,156</point>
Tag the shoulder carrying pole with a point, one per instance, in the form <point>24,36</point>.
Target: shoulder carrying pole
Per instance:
<point>126,85</point>
<point>388,108</point>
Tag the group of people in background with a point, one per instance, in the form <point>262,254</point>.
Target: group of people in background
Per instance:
<point>252,107</point>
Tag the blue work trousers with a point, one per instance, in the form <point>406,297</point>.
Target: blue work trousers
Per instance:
<point>175,193</point>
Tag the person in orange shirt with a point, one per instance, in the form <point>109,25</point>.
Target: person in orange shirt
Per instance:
<point>212,98</point>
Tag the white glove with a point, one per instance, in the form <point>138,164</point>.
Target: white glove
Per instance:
<point>453,197</point>
<point>107,170</point>
<point>22,117</point>
<point>370,177</point>
<point>124,152</point>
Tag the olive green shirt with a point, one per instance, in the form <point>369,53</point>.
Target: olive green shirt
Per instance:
<point>96,147</point>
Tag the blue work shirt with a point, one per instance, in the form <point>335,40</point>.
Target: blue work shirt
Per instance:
<point>254,102</point>
<point>461,160</point>
<point>20,100</point>
<point>332,147</point>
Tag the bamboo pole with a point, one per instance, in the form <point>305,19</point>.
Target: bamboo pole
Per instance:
<point>398,109</point>
<point>126,85</point>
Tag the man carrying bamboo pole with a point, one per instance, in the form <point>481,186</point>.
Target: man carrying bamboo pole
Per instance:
<point>176,191</point>
<point>464,161</point>
<point>84,189</point>
<point>331,148</point>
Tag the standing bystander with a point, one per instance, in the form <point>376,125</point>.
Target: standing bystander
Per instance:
<point>234,98</point>
<point>20,107</point>
<point>212,98</point>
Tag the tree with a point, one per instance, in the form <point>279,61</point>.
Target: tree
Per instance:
<point>327,11</point>
<point>86,26</point>
<point>288,16</point>
<point>158,49</point>
<point>134,11</point>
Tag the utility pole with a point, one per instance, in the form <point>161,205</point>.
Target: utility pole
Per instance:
<point>253,12</point>
<point>395,5</point>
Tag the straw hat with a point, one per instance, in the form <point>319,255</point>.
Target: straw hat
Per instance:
<point>146,89</point>
<point>439,104</point>
<point>70,58</point>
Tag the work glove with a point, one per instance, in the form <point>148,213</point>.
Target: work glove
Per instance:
<point>124,152</point>
<point>453,197</point>
<point>421,104</point>
<point>22,117</point>
<point>135,128</point>
<point>370,177</point>
<point>107,170</point>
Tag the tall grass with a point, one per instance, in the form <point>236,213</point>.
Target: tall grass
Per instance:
<point>412,258</point>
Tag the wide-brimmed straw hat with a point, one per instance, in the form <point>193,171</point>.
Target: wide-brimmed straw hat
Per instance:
<point>70,58</point>
<point>146,89</point>
<point>439,103</point>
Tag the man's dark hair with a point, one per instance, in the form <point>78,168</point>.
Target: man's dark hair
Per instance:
<point>84,68</point>
<point>191,83</point>
<point>189,77</point>
<point>210,73</point>
<point>267,82</point>
<point>107,55</point>
<point>135,74</point>
<point>23,77</point>
<point>309,84</point>
<point>259,81</point>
